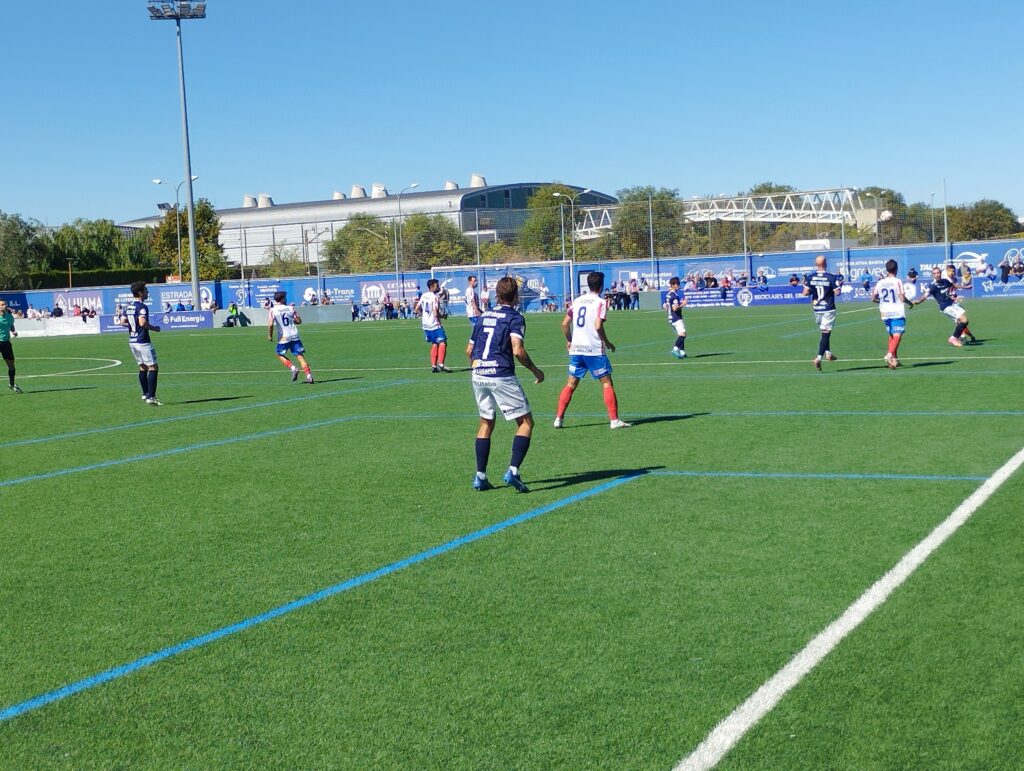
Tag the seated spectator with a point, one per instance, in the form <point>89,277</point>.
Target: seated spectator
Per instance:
<point>710,281</point>
<point>965,274</point>
<point>326,300</point>
<point>1004,270</point>
<point>76,310</point>
<point>1018,269</point>
<point>58,312</point>
<point>189,306</point>
<point>762,280</point>
<point>180,306</point>
<point>794,280</point>
<point>865,279</point>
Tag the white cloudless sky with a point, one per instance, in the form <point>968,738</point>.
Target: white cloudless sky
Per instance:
<point>298,99</point>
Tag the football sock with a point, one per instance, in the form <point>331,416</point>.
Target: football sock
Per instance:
<point>611,402</point>
<point>824,343</point>
<point>144,381</point>
<point>287,364</point>
<point>959,330</point>
<point>483,452</point>
<point>563,401</point>
<point>968,332</point>
<point>441,350</point>
<point>681,342</point>
<point>305,368</point>
<point>151,377</point>
<point>10,374</point>
<point>894,343</point>
<point>520,446</point>
<point>433,355</point>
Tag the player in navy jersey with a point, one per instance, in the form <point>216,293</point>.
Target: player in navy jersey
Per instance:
<point>944,292</point>
<point>675,299</point>
<point>494,345</point>
<point>821,287</point>
<point>137,320</point>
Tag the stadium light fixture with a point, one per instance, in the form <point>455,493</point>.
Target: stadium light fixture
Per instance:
<point>176,12</point>
<point>165,206</point>
<point>572,215</point>
<point>398,238</point>
<point>177,210</point>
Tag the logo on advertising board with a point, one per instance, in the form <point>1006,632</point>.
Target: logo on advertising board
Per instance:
<point>744,297</point>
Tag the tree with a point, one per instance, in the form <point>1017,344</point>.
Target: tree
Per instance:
<point>541,234</point>
<point>212,264</point>
<point>364,245</point>
<point>284,261</point>
<point>643,209</point>
<point>19,250</point>
<point>428,241</point>
<point>980,220</point>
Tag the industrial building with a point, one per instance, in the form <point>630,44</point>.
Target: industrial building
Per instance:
<point>250,233</point>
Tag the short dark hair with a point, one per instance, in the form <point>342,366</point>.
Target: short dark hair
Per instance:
<point>471,278</point>
<point>137,288</point>
<point>432,284</point>
<point>595,281</point>
<point>891,266</point>
<point>674,281</point>
<point>280,297</point>
<point>507,291</point>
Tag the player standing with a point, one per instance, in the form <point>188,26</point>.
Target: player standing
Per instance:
<point>944,292</point>
<point>137,321</point>
<point>583,327</point>
<point>495,340</point>
<point>821,286</point>
<point>472,302</point>
<point>288,341</point>
<point>890,296</point>
<point>428,306</point>
<point>7,331</point>
<point>675,299</point>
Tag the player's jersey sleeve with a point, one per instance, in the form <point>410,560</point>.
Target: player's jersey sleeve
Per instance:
<point>517,327</point>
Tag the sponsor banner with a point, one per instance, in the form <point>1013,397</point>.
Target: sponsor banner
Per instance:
<point>706,298</point>
<point>773,295</point>
<point>166,321</point>
<point>374,291</point>
<point>539,285</point>
<point>995,288</point>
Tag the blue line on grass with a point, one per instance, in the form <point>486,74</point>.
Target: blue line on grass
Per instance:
<point>821,475</point>
<point>196,642</point>
<point>173,418</point>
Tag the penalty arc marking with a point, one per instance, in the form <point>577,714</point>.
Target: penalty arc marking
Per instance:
<point>110,363</point>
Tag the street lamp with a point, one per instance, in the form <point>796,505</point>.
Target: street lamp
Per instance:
<point>177,10</point>
<point>177,207</point>
<point>572,215</point>
<point>932,207</point>
<point>880,217</point>
<point>398,230</point>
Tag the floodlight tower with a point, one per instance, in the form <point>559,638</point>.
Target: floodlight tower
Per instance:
<point>177,10</point>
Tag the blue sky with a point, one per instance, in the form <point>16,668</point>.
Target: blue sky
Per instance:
<point>301,98</point>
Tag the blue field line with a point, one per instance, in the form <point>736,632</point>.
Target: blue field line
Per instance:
<point>813,330</point>
<point>190,416</point>
<point>123,670</point>
<point>822,475</point>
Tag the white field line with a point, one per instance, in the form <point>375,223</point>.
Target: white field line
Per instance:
<point>734,727</point>
<point>111,363</point>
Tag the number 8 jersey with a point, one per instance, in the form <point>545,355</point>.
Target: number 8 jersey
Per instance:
<point>585,311</point>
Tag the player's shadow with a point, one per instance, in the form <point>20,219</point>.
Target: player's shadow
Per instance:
<point>339,379</point>
<point>979,341</point>
<point>917,364</point>
<point>217,399</point>
<point>640,421</point>
<point>584,477</point>
<point>52,390</point>
<point>705,355</point>
<point>905,366</point>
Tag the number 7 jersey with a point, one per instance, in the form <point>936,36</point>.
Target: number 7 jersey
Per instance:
<point>584,313</point>
<point>492,341</point>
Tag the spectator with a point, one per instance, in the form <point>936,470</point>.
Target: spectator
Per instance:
<point>326,299</point>
<point>965,273</point>
<point>634,295</point>
<point>710,281</point>
<point>180,306</point>
<point>794,280</point>
<point>865,279</point>
<point>1004,270</point>
<point>984,269</point>
<point>76,310</point>
<point>57,311</point>
<point>234,316</point>
<point>762,280</point>
<point>1018,269</point>
<point>189,306</point>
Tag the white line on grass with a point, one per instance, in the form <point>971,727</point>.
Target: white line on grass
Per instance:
<point>112,363</point>
<point>734,727</point>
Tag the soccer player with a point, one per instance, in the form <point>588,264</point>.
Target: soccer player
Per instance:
<point>821,286</point>
<point>944,292</point>
<point>890,296</point>
<point>675,299</point>
<point>495,340</point>
<point>137,320</point>
<point>288,341</point>
<point>583,327</point>
<point>428,306</point>
<point>472,302</point>
<point>7,331</point>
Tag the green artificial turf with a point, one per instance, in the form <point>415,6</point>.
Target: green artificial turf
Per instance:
<point>613,631</point>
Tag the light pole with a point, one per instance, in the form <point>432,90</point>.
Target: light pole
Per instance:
<point>932,207</point>
<point>176,10</point>
<point>572,216</point>
<point>398,237</point>
<point>177,208</point>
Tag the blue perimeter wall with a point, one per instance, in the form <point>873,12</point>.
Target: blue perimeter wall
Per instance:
<point>558,279</point>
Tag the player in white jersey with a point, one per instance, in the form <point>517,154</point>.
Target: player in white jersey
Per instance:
<point>287,321</point>
<point>428,306</point>
<point>473,302</point>
<point>890,296</point>
<point>583,327</point>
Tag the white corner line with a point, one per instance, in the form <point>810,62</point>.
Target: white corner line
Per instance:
<point>734,727</point>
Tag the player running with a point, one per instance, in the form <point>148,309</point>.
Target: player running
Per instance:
<point>428,307</point>
<point>890,296</point>
<point>944,292</point>
<point>7,331</point>
<point>674,302</point>
<point>288,341</point>
<point>137,320</point>
<point>472,302</point>
<point>495,340</point>
<point>821,286</point>
<point>583,327</point>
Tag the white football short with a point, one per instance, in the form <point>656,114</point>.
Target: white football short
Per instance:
<point>679,327</point>
<point>825,320</point>
<point>955,311</point>
<point>143,353</point>
<point>500,393</point>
